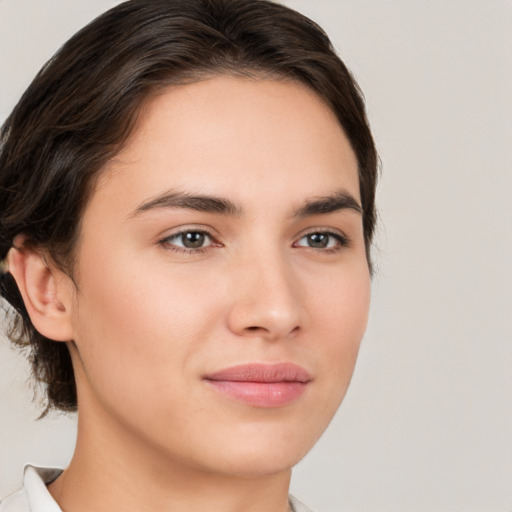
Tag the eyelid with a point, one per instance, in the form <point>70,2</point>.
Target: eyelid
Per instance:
<point>342,238</point>
<point>185,228</point>
<point>181,230</point>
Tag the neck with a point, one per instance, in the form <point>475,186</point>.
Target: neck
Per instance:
<point>115,469</point>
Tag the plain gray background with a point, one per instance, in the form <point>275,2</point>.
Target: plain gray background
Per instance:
<point>427,422</point>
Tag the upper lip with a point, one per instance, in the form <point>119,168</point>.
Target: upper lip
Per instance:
<point>261,372</point>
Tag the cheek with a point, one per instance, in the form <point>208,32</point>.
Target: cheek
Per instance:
<point>137,330</point>
<point>341,315</point>
<point>341,304</point>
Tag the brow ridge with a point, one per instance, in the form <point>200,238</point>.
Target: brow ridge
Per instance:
<point>202,203</point>
<point>340,200</point>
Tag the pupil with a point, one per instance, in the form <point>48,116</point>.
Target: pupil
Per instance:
<point>318,240</point>
<point>193,239</point>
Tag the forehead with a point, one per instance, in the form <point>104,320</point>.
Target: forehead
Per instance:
<point>237,136</point>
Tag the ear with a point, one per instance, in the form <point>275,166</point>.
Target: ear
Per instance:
<point>46,291</point>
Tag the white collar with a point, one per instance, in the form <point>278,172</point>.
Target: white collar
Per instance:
<point>34,495</point>
<point>35,481</point>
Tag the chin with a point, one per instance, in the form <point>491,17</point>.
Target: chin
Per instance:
<point>261,455</point>
<point>260,466</point>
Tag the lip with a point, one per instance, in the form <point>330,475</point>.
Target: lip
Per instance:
<point>261,385</point>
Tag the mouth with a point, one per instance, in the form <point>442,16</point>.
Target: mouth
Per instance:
<point>261,385</point>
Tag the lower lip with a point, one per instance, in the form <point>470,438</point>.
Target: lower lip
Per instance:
<point>261,394</point>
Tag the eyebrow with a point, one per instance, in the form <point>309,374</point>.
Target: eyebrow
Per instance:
<point>340,200</point>
<point>201,203</point>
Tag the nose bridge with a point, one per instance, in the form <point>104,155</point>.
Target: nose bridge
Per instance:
<point>267,301</point>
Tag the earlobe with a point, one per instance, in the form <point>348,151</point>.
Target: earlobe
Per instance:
<point>43,290</point>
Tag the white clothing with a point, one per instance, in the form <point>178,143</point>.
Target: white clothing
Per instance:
<point>35,497</point>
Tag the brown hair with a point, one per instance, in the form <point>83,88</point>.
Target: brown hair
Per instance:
<point>82,105</point>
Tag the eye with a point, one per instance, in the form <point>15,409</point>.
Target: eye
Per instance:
<point>189,240</point>
<point>322,240</point>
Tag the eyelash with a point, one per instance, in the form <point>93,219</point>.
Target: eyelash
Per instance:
<point>185,250</point>
<point>342,240</point>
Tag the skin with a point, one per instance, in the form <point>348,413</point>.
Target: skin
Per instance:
<point>149,320</point>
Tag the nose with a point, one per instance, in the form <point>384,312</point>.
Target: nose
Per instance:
<point>267,300</point>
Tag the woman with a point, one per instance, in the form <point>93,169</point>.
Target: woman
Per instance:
<point>187,208</point>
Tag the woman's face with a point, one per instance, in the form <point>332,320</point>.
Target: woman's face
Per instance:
<point>223,287</point>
